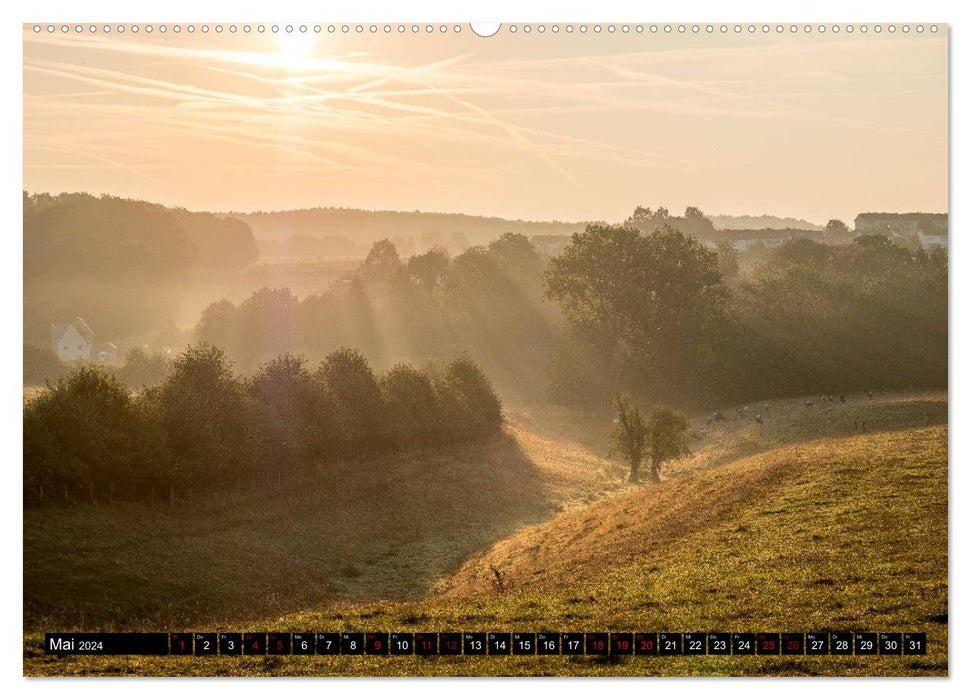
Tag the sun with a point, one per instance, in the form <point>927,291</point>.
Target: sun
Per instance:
<point>295,46</point>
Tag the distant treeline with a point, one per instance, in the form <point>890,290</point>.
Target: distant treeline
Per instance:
<point>723,221</point>
<point>205,429</point>
<point>425,229</point>
<point>118,263</point>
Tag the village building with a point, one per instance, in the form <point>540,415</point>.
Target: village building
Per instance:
<point>72,341</point>
<point>930,230</point>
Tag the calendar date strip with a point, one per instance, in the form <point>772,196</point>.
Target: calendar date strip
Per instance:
<point>486,643</point>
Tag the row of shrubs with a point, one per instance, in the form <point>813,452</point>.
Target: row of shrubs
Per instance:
<point>205,429</point>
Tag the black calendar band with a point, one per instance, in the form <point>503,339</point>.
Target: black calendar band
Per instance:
<point>486,643</point>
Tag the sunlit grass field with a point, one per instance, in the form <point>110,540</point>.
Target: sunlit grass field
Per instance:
<point>815,533</point>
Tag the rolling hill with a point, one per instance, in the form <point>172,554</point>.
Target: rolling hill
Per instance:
<point>798,524</point>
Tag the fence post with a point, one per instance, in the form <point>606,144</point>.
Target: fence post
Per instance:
<point>42,496</point>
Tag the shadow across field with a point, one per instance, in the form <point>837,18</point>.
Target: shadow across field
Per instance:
<point>381,529</point>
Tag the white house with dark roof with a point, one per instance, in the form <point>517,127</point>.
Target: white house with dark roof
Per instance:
<point>72,341</point>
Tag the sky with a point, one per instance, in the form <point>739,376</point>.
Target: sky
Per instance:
<point>536,126</point>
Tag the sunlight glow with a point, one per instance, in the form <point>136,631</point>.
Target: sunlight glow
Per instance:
<point>295,47</point>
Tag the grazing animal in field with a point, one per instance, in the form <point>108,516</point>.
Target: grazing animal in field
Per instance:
<point>842,398</point>
<point>869,394</point>
<point>809,404</point>
<point>709,419</point>
<point>719,416</point>
<point>738,412</point>
<point>758,418</point>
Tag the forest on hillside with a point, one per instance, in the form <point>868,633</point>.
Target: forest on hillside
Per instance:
<point>644,306</point>
<point>121,264</point>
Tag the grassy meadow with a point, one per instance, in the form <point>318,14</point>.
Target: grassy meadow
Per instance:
<point>830,518</point>
<point>358,531</point>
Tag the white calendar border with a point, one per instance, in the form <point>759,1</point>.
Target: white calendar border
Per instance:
<point>829,11</point>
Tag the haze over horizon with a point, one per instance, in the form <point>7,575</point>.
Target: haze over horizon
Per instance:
<point>533,127</point>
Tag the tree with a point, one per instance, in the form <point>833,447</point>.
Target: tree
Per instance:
<point>412,406</point>
<point>644,289</point>
<point>207,419</point>
<point>517,255</point>
<point>803,251</point>
<point>348,376</point>
<point>266,324</point>
<point>280,389</point>
<point>727,260</point>
<point>657,296</point>
<point>141,369</point>
<point>629,439</point>
<point>80,432</point>
<point>661,436</point>
<point>471,406</point>
<point>837,232</point>
<point>428,270</point>
<point>217,326</point>
<point>382,262</point>
<point>667,437</point>
<point>693,223</point>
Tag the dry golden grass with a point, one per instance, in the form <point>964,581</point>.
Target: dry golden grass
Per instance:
<point>694,493</point>
<point>789,421</point>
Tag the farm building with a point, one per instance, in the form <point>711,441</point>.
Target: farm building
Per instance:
<point>72,341</point>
